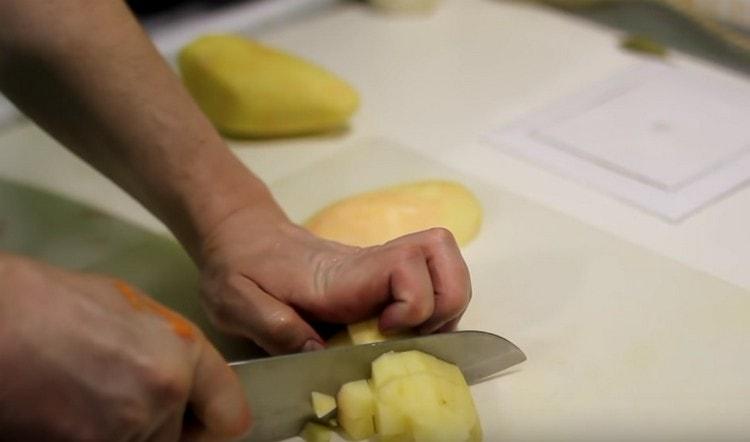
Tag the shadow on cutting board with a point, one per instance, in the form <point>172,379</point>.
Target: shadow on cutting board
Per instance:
<point>63,232</point>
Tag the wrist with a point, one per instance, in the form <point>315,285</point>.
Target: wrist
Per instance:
<point>212,213</point>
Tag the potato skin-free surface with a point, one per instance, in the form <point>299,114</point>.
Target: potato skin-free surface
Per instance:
<point>412,397</point>
<point>379,216</point>
<point>250,90</point>
<point>356,409</point>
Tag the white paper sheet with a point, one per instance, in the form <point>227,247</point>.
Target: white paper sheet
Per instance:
<point>669,139</point>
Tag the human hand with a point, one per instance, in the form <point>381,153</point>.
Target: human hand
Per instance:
<point>263,276</point>
<point>86,357</point>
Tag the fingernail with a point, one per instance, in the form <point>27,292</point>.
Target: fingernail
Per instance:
<point>312,345</point>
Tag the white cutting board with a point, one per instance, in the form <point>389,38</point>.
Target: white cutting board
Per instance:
<point>622,344</point>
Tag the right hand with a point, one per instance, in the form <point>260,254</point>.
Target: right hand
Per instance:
<point>79,360</point>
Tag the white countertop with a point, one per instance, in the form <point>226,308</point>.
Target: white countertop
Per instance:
<point>630,322</point>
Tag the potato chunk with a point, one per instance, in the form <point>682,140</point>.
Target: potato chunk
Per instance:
<point>322,404</point>
<point>250,90</point>
<point>366,332</point>
<point>412,397</point>
<point>420,396</point>
<point>379,216</point>
<point>357,409</point>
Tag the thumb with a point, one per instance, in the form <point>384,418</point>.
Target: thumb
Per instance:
<point>273,325</point>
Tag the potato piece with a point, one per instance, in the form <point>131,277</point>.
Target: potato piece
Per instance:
<point>390,421</point>
<point>394,365</point>
<point>356,409</point>
<point>250,90</point>
<point>322,404</point>
<point>314,432</point>
<point>412,397</point>
<point>365,332</point>
<point>379,216</point>
<point>368,331</point>
<point>387,368</point>
<point>420,396</point>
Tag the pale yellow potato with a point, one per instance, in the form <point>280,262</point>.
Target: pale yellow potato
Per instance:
<point>357,409</point>
<point>379,216</point>
<point>411,397</point>
<point>365,332</point>
<point>250,90</point>
<point>420,398</point>
<point>394,365</point>
<point>429,414</point>
<point>314,432</point>
<point>322,404</point>
<point>390,422</point>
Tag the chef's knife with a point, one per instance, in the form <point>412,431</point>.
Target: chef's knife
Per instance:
<point>278,388</point>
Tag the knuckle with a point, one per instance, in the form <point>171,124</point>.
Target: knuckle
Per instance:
<point>219,313</point>
<point>440,236</point>
<point>163,384</point>
<point>408,253</point>
<point>219,297</point>
<point>132,417</point>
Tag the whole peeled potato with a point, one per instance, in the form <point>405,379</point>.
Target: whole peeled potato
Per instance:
<point>379,216</point>
<point>250,90</point>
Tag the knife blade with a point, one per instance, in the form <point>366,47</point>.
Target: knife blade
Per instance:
<point>278,388</point>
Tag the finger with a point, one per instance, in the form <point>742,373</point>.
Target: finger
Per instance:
<point>449,307</point>
<point>452,325</point>
<point>411,289</point>
<point>273,325</point>
<point>217,398</point>
<point>449,274</point>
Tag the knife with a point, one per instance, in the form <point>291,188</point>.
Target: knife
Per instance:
<point>278,388</point>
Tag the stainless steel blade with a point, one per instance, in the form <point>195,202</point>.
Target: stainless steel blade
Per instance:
<point>278,388</point>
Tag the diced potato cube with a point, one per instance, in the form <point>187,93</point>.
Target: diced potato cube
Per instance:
<point>389,421</point>
<point>430,395</point>
<point>387,368</point>
<point>357,409</point>
<point>322,404</point>
<point>412,397</point>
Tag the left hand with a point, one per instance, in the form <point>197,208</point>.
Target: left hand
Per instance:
<point>261,275</point>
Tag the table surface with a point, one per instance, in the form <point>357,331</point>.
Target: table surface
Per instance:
<point>632,325</point>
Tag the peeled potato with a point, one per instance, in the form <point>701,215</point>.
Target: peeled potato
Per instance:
<point>367,332</point>
<point>356,409</point>
<point>412,397</point>
<point>250,90</point>
<point>363,332</point>
<point>379,216</point>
